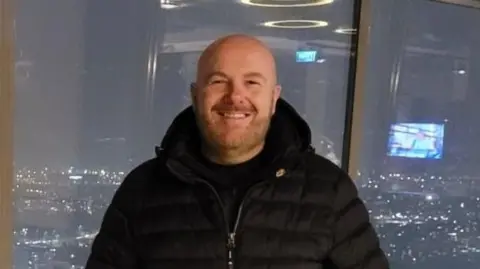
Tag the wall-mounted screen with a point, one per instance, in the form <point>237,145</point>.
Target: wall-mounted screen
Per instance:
<point>416,140</point>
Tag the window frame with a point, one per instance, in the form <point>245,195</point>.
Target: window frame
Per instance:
<point>353,118</point>
<point>7,90</point>
<point>353,129</point>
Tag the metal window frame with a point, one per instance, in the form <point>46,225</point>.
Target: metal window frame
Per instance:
<point>464,3</point>
<point>6,131</point>
<point>353,119</point>
<point>353,129</point>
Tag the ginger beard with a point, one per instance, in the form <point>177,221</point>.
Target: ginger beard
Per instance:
<point>234,127</point>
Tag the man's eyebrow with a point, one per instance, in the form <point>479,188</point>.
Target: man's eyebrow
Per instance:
<point>223,75</point>
<point>215,73</point>
<point>256,75</point>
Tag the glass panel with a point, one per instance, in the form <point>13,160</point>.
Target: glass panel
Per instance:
<point>98,83</point>
<point>419,173</point>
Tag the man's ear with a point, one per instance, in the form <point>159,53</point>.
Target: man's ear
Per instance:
<point>276,94</point>
<point>277,91</point>
<point>193,93</point>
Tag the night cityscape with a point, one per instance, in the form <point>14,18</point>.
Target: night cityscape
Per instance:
<point>423,221</point>
<point>97,85</point>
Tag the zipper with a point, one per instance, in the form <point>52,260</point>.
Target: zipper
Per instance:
<point>230,248</point>
<point>230,231</point>
<point>231,244</point>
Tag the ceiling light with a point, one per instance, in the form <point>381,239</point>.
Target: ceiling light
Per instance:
<point>295,24</point>
<point>345,31</point>
<point>170,4</point>
<point>286,3</point>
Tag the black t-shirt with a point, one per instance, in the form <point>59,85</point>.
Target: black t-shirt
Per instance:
<point>233,181</point>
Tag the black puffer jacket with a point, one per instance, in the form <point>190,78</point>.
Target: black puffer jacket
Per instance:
<point>303,213</point>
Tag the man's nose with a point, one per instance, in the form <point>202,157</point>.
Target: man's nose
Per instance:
<point>236,90</point>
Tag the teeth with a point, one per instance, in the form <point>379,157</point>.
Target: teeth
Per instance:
<point>234,115</point>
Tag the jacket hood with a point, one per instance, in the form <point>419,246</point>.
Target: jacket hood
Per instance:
<point>288,132</point>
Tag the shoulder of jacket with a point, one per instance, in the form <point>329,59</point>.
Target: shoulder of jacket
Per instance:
<point>319,167</point>
<point>145,168</point>
<point>141,182</point>
<point>145,174</point>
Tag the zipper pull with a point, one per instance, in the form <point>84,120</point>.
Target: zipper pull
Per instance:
<point>231,241</point>
<point>230,247</point>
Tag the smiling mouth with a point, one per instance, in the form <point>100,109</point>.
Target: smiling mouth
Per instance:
<point>234,115</point>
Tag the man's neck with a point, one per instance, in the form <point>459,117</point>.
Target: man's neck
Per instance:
<point>231,156</point>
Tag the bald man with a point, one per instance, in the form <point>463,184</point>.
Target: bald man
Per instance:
<point>236,184</point>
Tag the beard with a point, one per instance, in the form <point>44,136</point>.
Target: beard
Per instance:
<point>240,139</point>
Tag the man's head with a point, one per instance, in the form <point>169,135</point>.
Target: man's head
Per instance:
<point>234,96</point>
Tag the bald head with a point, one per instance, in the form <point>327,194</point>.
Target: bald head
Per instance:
<point>234,97</point>
<point>237,44</point>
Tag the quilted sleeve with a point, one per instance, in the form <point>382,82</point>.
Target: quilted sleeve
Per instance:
<point>356,244</point>
<point>114,245</point>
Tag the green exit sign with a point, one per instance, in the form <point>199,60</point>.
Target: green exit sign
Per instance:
<point>467,3</point>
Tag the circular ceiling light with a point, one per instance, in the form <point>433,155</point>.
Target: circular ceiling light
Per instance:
<point>345,31</point>
<point>295,24</point>
<point>170,4</point>
<point>286,3</point>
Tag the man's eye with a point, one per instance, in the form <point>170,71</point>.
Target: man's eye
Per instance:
<point>253,82</point>
<point>217,81</point>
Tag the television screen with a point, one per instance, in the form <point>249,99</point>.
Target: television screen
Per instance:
<point>416,140</point>
<point>306,56</point>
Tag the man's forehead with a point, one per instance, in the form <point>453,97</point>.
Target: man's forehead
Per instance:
<point>229,69</point>
<point>236,53</point>
<point>238,60</point>
<point>246,74</point>
<point>233,41</point>
<point>238,44</point>
<point>236,56</point>
<point>242,54</point>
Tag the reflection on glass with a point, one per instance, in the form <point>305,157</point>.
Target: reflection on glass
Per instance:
<point>416,140</point>
<point>419,160</point>
<point>97,84</point>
